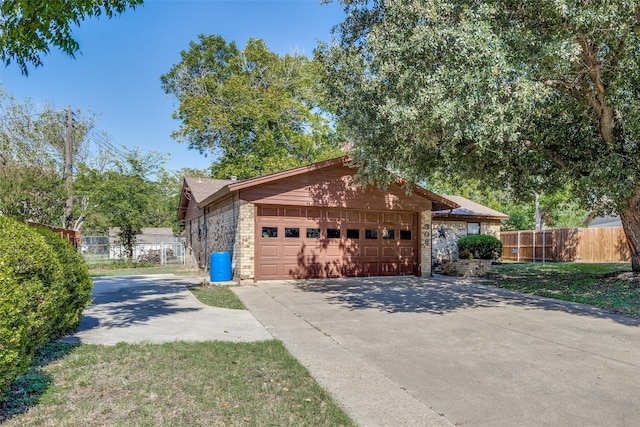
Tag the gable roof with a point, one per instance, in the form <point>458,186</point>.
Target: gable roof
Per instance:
<point>439,202</point>
<point>198,189</point>
<point>469,210</point>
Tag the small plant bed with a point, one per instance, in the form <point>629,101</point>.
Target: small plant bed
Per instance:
<point>173,384</point>
<point>611,286</point>
<point>217,296</point>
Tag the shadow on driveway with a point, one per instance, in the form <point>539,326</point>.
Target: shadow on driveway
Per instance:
<point>408,294</point>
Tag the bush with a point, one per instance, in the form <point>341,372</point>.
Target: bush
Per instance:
<point>27,307</point>
<point>481,246</point>
<point>76,283</point>
<point>40,279</point>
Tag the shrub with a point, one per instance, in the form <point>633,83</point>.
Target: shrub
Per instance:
<point>30,276</point>
<point>481,246</point>
<point>76,283</point>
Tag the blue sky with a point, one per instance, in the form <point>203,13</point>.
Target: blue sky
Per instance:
<point>117,72</point>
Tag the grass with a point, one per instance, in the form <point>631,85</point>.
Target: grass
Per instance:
<point>611,286</point>
<point>130,269</point>
<point>217,296</point>
<point>172,384</point>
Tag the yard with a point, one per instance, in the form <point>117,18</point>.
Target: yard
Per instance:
<point>611,286</point>
<point>210,383</point>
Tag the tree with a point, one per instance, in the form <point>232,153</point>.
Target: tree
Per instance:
<point>258,112</point>
<point>32,152</point>
<point>28,28</point>
<point>123,196</point>
<point>32,193</point>
<point>533,95</point>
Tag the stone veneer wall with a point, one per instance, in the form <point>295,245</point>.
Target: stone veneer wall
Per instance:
<point>446,247</point>
<point>466,267</point>
<point>425,243</point>
<point>230,227</point>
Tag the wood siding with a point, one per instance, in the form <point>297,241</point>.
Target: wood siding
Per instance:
<point>333,187</point>
<point>193,211</point>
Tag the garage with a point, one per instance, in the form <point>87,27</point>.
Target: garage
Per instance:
<point>315,221</point>
<point>309,242</point>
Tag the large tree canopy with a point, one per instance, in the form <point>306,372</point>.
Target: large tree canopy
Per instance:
<point>258,112</point>
<point>28,27</point>
<point>531,94</point>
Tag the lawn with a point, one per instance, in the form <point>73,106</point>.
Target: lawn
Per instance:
<point>611,286</point>
<point>173,384</point>
<point>217,296</point>
<point>131,269</point>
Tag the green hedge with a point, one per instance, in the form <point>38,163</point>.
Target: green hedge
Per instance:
<point>76,284</point>
<point>481,246</point>
<point>39,281</point>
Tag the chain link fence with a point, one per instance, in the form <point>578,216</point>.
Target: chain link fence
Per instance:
<point>99,250</point>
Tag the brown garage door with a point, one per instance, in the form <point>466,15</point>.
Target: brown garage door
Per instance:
<point>301,242</point>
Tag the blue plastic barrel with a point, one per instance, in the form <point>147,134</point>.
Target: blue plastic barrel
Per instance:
<point>220,267</point>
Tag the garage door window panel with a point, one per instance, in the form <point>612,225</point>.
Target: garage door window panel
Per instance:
<point>371,234</point>
<point>269,232</point>
<point>405,234</point>
<point>291,233</point>
<point>333,233</point>
<point>313,233</point>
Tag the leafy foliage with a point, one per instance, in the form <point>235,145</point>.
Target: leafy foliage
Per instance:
<point>28,27</point>
<point>124,196</point>
<point>43,288</point>
<point>529,95</point>
<point>76,285</point>
<point>257,111</point>
<point>32,193</point>
<point>481,246</point>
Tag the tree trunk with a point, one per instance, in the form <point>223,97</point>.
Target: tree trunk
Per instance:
<point>630,217</point>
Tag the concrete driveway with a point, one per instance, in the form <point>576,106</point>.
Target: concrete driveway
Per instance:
<point>159,308</point>
<point>411,351</point>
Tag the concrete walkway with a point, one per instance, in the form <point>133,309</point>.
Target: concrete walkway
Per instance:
<point>417,352</point>
<point>159,308</point>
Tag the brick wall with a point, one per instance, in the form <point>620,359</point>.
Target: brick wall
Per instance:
<point>425,243</point>
<point>245,243</point>
<point>229,227</point>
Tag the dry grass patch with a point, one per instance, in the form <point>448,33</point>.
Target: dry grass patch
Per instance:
<point>173,384</point>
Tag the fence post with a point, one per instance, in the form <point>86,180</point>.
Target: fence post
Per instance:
<point>544,242</point>
<point>533,249</point>
<point>518,245</point>
<point>163,254</point>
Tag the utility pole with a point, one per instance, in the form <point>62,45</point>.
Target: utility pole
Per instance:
<point>68,156</point>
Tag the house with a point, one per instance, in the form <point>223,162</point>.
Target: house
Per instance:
<point>468,218</point>
<point>311,221</point>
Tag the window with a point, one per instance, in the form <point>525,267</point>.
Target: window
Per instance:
<point>388,234</point>
<point>370,234</point>
<point>353,233</point>
<point>291,232</point>
<point>313,233</point>
<point>333,233</point>
<point>269,231</point>
<point>405,234</point>
<point>473,228</point>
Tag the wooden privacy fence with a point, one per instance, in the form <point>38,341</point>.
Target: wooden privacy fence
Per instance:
<point>604,244</point>
<point>71,236</point>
